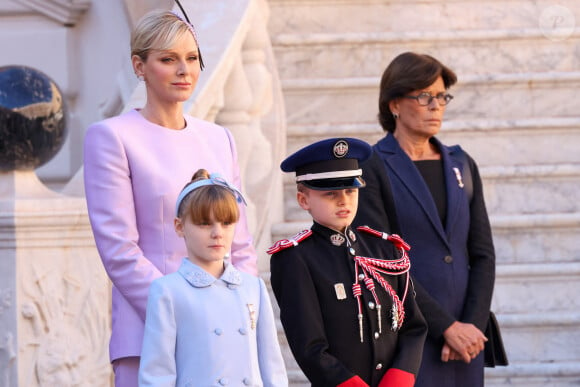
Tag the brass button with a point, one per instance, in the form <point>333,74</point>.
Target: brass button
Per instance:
<point>448,259</point>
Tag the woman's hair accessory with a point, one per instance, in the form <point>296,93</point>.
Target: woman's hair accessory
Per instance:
<point>191,28</point>
<point>214,179</point>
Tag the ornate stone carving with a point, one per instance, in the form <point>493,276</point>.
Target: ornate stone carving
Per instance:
<point>64,327</point>
<point>7,357</point>
<point>5,300</point>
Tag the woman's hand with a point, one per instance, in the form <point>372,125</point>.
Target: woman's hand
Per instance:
<point>463,341</point>
<point>449,354</point>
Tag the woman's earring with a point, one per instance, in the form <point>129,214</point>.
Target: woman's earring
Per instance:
<point>395,116</point>
<point>140,78</point>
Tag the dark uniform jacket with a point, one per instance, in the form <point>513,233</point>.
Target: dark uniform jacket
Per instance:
<point>320,320</point>
<point>453,264</point>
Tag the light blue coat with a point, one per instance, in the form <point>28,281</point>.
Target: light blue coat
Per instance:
<point>203,331</point>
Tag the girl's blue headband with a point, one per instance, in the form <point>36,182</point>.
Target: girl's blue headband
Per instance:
<point>214,179</point>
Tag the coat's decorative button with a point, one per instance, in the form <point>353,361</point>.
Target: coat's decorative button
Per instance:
<point>448,259</point>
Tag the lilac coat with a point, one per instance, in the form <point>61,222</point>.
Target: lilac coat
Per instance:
<point>133,172</point>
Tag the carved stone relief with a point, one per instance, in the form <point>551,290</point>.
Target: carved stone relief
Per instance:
<point>64,326</point>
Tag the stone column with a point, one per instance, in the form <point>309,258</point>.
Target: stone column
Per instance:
<point>54,293</point>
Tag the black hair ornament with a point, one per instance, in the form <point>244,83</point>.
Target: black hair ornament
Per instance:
<point>201,65</point>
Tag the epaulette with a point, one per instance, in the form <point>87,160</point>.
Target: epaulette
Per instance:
<point>393,238</point>
<point>285,243</point>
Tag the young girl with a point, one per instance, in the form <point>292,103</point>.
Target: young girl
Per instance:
<point>208,323</point>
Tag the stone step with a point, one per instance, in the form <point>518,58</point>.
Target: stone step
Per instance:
<point>507,97</point>
<point>518,239</point>
<point>520,141</point>
<point>490,142</point>
<point>321,16</point>
<point>367,54</point>
<point>536,238</point>
<point>538,296</point>
<point>533,374</point>
<point>535,189</point>
<point>534,338</point>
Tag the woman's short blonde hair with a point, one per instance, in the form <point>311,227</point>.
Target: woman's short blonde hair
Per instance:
<point>158,30</point>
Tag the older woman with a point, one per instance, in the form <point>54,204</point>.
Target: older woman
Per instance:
<point>432,195</point>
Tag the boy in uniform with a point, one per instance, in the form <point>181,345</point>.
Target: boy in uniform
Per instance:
<point>346,301</point>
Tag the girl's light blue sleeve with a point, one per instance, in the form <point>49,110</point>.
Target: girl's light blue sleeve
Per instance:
<point>272,368</point>
<point>157,367</point>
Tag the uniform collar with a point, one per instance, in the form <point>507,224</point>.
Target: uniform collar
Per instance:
<point>333,236</point>
<point>199,278</point>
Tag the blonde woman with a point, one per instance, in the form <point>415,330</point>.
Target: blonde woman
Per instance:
<point>134,167</point>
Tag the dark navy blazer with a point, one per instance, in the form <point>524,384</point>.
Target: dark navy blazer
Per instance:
<point>453,264</point>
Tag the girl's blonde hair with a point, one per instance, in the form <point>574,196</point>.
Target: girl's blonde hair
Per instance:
<point>158,30</point>
<point>209,200</point>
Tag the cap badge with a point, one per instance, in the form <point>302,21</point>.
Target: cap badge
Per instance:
<point>340,149</point>
<point>337,239</point>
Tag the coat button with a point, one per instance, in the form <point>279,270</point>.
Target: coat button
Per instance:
<point>448,259</point>
<point>218,331</point>
<point>243,331</point>
<point>247,381</point>
<point>371,305</point>
<point>223,381</point>
<point>377,335</point>
<point>361,277</point>
<point>379,366</point>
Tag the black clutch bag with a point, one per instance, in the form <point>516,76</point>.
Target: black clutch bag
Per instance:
<point>494,352</point>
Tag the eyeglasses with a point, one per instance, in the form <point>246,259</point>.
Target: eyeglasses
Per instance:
<point>425,99</point>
